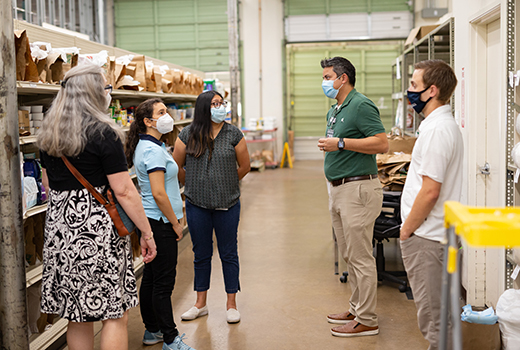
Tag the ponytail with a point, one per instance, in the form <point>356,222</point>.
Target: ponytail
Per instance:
<point>144,110</point>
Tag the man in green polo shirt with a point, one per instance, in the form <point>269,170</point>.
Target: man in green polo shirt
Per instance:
<point>355,134</point>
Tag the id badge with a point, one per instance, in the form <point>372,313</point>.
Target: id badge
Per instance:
<point>330,132</point>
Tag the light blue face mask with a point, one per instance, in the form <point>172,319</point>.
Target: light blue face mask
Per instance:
<point>328,88</point>
<point>218,115</point>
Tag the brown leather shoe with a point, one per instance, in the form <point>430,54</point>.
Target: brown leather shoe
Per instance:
<point>354,329</point>
<point>341,318</point>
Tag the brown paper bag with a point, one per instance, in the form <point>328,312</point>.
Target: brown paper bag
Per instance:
<point>188,83</point>
<point>401,144</point>
<point>110,74</point>
<point>20,45</point>
<point>130,70</point>
<point>31,70</point>
<point>26,69</point>
<point>119,73</point>
<point>481,336</point>
<point>177,81</point>
<point>157,77</point>
<point>167,81</point>
<point>55,68</point>
<point>150,82</point>
<point>127,83</point>
<point>41,65</point>
<point>200,86</point>
<point>140,69</point>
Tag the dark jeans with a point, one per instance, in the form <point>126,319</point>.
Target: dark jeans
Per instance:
<point>158,281</point>
<point>201,223</point>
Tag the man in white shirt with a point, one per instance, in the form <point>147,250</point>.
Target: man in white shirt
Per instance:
<point>435,176</point>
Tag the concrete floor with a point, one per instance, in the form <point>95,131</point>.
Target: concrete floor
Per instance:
<point>287,277</point>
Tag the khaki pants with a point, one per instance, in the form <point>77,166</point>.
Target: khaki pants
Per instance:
<point>422,260</point>
<point>354,206</point>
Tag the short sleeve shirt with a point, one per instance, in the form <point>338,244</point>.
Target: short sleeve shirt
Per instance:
<point>357,118</point>
<point>438,154</point>
<point>103,155</point>
<point>213,183</point>
<point>151,155</point>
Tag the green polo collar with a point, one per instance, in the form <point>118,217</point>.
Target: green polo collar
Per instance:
<point>347,100</point>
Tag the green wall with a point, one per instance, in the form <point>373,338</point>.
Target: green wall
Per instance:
<point>313,7</point>
<point>308,106</point>
<point>191,33</point>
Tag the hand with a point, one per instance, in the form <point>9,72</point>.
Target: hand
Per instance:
<point>328,144</point>
<point>178,230</point>
<point>404,235</point>
<point>148,248</point>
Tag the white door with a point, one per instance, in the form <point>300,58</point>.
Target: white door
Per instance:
<point>485,267</point>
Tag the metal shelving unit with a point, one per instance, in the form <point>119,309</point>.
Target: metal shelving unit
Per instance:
<point>438,44</point>
<point>511,188</point>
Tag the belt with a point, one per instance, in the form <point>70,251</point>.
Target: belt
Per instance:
<point>352,178</point>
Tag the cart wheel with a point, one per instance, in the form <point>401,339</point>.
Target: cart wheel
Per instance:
<point>344,278</point>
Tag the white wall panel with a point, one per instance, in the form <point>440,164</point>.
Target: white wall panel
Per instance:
<point>307,28</point>
<point>391,24</point>
<point>348,25</point>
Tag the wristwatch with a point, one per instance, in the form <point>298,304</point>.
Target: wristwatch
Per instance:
<point>341,144</point>
<point>149,237</point>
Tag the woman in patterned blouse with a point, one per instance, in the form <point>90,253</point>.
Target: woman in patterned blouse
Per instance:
<point>212,157</point>
<point>88,273</point>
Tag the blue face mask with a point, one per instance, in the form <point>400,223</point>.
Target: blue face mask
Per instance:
<point>415,99</point>
<point>218,115</point>
<point>328,88</point>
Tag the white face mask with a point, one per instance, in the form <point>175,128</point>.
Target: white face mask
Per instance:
<point>164,124</point>
<point>109,99</point>
<point>218,115</point>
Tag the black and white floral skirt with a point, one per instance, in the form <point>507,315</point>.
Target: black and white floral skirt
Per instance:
<point>88,273</point>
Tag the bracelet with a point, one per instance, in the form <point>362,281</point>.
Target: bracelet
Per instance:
<point>148,238</point>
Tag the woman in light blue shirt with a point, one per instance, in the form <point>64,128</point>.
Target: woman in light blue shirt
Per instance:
<point>157,176</point>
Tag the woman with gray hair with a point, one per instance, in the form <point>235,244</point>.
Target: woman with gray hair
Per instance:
<point>87,267</point>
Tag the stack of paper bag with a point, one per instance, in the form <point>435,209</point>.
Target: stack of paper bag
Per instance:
<point>393,166</point>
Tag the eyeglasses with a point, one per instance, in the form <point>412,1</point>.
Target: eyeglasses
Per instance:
<point>109,88</point>
<point>218,104</point>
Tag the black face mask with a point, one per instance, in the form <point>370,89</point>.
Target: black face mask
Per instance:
<point>415,99</point>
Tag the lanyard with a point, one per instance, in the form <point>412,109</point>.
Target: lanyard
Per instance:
<point>332,119</point>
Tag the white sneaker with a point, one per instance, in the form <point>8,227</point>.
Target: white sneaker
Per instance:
<point>193,313</point>
<point>233,316</point>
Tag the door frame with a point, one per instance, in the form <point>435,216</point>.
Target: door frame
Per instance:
<point>484,269</point>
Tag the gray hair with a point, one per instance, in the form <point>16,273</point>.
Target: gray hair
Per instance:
<point>77,113</point>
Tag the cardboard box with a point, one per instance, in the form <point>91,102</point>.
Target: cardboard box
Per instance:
<point>24,119</point>
<point>36,116</point>
<point>418,33</point>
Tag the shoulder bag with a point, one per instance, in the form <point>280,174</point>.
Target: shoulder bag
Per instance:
<point>122,222</point>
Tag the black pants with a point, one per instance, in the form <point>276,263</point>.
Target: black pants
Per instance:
<point>158,281</point>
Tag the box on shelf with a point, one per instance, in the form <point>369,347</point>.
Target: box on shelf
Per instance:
<point>24,119</point>
<point>36,116</point>
<point>418,33</point>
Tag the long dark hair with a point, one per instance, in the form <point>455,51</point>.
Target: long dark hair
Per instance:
<point>200,138</point>
<point>144,110</point>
